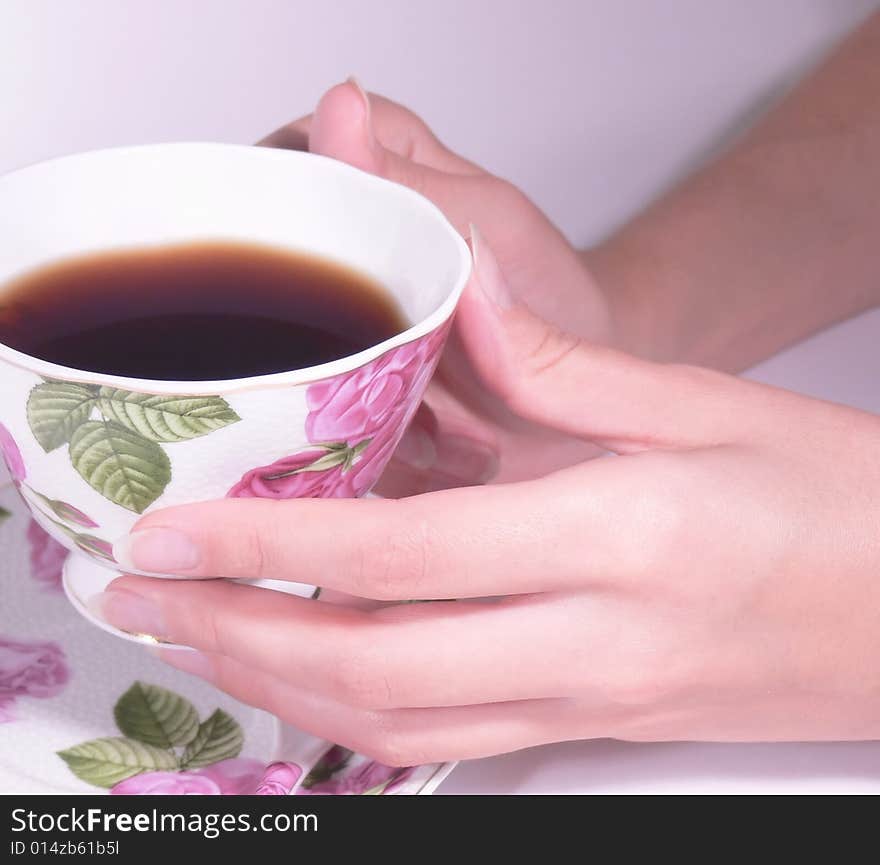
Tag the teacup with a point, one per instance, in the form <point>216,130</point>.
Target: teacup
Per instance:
<point>90,453</point>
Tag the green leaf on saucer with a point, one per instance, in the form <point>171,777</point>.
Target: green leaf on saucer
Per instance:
<point>4,515</point>
<point>120,464</point>
<point>56,409</point>
<point>105,762</point>
<point>156,716</point>
<point>166,418</point>
<point>219,738</point>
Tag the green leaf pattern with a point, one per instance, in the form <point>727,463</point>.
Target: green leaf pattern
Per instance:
<point>156,716</point>
<point>218,738</point>
<point>121,465</point>
<point>55,409</point>
<point>120,454</point>
<point>155,722</point>
<point>166,418</point>
<point>105,762</point>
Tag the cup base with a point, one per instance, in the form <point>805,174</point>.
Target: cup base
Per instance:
<point>83,579</point>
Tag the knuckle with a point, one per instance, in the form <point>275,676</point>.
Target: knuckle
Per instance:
<point>393,566</point>
<point>508,196</point>
<point>393,749</point>
<point>362,681</point>
<point>549,348</point>
<point>663,508</point>
<point>203,630</point>
<point>540,352</point>
<point>247,556</point>
<point>640,685</point>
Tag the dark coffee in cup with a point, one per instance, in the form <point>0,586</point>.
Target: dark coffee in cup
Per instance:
<point>195,312</point>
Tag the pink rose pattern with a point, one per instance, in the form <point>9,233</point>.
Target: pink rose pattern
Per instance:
<point>339,773</point>
<point>29,669</point>
<point>279,779</point>
<point>235,777</point>
<point>363,414</point>
<point>12,455</point>
<point>247,777</point>
<point>355,421</point>
<point>166,784</point>
<point>47,557</point>
<point>286,480</point>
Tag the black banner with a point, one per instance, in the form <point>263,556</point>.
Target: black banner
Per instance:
<point>99,828</point>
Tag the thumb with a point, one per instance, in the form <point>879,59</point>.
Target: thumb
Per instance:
<point>342,128</point>
<point>616,400</point>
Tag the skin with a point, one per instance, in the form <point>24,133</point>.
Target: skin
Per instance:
<point>716,580</point>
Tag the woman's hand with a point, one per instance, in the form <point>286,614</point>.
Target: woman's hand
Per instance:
<point>467,437</point>
<point>715,581</point>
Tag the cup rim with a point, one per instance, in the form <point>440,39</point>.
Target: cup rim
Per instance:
<point>303,375</point>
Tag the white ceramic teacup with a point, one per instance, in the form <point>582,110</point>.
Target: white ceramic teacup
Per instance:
<point>91,452</point>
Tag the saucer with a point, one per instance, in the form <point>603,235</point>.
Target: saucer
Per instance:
<point>83,712</point>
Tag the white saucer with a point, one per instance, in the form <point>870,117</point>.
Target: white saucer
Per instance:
<point>64,682</point>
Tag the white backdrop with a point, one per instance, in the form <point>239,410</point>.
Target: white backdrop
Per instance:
<point>592,106</point>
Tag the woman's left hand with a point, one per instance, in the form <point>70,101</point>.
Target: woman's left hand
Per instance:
<point>718,580</point>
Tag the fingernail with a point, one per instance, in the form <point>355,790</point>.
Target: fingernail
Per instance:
<point>132,613</point>
<point>416,449</point>
<point>361,92</point>
<point>189,660</point>
<point>487,272</point>
<point>365,99</point>
<point>465,458</point>
<point>158,551</point>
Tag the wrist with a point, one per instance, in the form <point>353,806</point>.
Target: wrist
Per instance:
<point>631,287</point>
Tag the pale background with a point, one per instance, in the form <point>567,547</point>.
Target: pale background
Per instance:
<point>593,106</point>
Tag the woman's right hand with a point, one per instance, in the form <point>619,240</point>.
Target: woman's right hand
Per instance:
<point>466,436</point>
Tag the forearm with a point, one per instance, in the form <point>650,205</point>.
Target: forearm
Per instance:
<point>777,238</point>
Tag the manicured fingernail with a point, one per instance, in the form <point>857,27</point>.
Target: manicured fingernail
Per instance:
<point>487,272</point>
<point>189,660</point>
<point>132,613</point>
<point>416,449</point>
<point>468,459</point>
<point>368,112</point>
<point>157,551</point>
<point>363,95</point>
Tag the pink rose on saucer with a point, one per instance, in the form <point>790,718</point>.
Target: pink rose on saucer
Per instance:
<point>29,669</point>
<point>279,779</point>
<point>370,777</point>
<point>334,775</point>
<point>236,777</point>
<point>166,784</point>
<point>47,557</point>
<point>12,455</point>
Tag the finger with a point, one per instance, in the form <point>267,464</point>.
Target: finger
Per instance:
<point>472,542</point>
<point>415,655</point>
<point>402,737</point>
<point>619,401</point>
<point>342,128</point>
<point>398,129</point>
